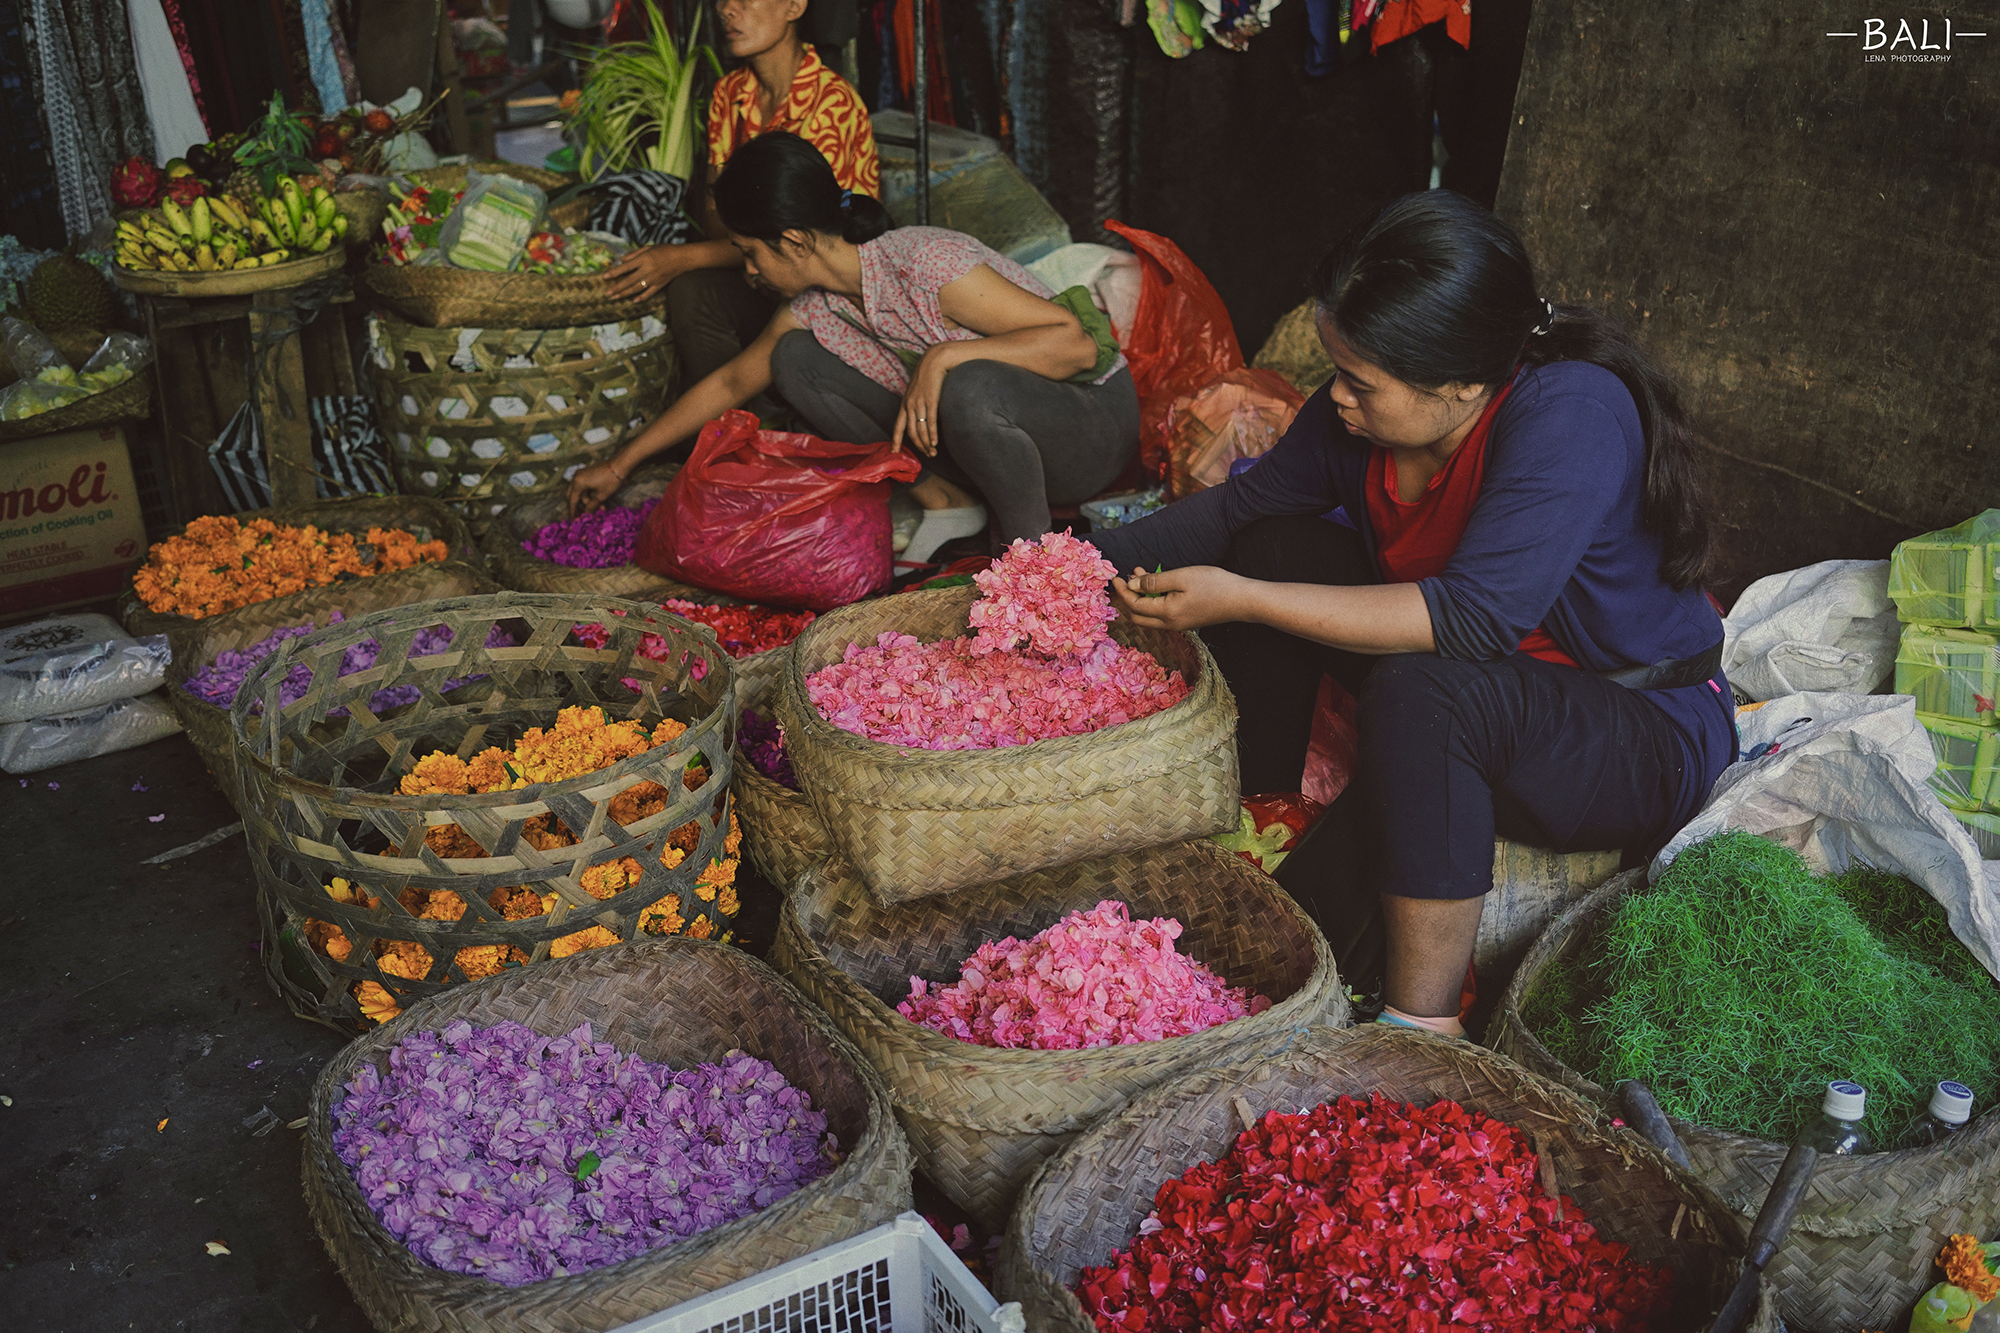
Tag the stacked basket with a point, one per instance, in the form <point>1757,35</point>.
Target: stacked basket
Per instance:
<point>929,854</point>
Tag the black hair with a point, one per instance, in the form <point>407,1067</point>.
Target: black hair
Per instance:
<point>778,183</point>
<point>1437,290</point>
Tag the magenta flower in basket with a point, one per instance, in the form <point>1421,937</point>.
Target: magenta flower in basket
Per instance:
<point>599,539</point>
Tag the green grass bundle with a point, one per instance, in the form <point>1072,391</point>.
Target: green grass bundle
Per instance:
<point>1742,983</point>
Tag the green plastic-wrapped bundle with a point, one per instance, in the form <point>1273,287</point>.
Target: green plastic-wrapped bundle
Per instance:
<point>1968,755</point>
<point>1953,673</point>
<point>1947,578</point>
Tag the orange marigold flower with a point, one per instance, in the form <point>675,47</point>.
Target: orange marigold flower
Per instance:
<point>701,928</point>
<point>329,939</point>
<point>487,960</point>
<point>597,937</point>
<point>403,958</point>
<point>218,563</point>
<point>442,773</point>
<point>662,917</point>
<point>611,877</point>
<point>515,903</point>
<point>376,1004</point>
<point>726,903</point>
<point>1964,1264</point>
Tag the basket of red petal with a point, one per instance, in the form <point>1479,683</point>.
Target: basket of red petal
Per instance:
<point>1009,1017</point>
<point>537,546</point>
<point>554,810</point>
<point>758,640</point>
<point>574,1146</point>
<point>782,834</point>
<point>275,567</point>
<point>1368,1179</point>
<point>960,736</point>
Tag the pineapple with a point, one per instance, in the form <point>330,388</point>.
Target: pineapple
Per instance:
<point>243,188</point>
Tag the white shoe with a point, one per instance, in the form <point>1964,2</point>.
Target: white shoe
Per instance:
<point>940,526</point>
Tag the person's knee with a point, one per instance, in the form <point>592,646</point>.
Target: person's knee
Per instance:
<point>1402,686</point>
<point>975,397</point>
<point>793,358</point>
<point>688,297</point>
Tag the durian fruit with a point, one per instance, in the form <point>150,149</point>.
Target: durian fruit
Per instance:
<point>64,293</point>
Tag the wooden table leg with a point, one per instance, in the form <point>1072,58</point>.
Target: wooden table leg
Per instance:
<point>280,391</point>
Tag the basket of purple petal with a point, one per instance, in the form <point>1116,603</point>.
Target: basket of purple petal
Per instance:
<point>579,1144</point>
<point>536,546</point>
<point>782,834</point>
<point>206,672</point>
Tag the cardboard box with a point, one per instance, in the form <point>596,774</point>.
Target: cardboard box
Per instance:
<point>70,529</point>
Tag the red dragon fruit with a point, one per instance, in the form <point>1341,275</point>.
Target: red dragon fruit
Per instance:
<point>137,184</point>
<point>184,190</point>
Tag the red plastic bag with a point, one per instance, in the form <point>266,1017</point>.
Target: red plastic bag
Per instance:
<point>777,518</point>
<point>1181,338</point>
<point>1271,825</point>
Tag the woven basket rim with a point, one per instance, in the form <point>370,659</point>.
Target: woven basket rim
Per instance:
<point>700,734</point>
<point>1325,1044</point>
<point>1978,1139</point>
<point>122,402</point>
<point>854,1164</point>
<point>454,378</point>
<point>1052,749</point>
<point>935,1048</point>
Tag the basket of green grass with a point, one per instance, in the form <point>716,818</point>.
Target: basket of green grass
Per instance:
<point>1736,988</point>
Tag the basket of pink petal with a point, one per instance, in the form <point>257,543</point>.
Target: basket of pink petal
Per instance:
<point>964,735</point>
<point>573,1146</point>
<point>1009,1018</point>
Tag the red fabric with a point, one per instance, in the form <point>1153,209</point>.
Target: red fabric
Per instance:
<point>1414,540</point>
<point>1400,20</point>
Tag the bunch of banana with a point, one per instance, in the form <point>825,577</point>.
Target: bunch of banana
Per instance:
<point>216,233</point>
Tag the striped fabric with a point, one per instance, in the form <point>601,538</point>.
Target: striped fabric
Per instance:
<point>349,454</point>
<point>643,207</point>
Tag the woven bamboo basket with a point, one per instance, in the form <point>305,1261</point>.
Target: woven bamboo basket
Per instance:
<point>321,803</point>
<point>207,725</point>
<point>130,401</point>
<point>676,1001</point>
<point>916,822</point>
<point>540,405</point>
<point>230,282</point>
<point>781,834</point>
<point>1862,1245</point>
<point>1088,1203</point>
<point>513,567</point>
<point>442,297</point>
<point>426,520</point>
<point>982,1119</point>
<point>364,211</point>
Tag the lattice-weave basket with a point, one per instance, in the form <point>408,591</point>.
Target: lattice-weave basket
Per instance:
<point>916,822</point>
<point>207,724</point>
<point>981,1119</point>
<point>1088,1203</point>
<point>1863,1242</point>
<point>537,405</point>
<point>426,520</point>
<point>322,802</point>
<point>677,1002</point>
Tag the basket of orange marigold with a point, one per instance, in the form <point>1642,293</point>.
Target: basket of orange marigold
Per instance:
<point>579,800</point>
<point>274,568</point>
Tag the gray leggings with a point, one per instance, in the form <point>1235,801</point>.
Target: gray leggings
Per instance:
<point>1021,441</point>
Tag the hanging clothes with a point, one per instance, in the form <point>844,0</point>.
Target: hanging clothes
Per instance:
<point>30,205</point>
<point>170,104</point>
<point>906,59</point>
<point>211,64</point>
<point>326,76</point>
<point>1400,18</point>
<point>171,10</point>
<point>288,17</point>
<point>96,108</point>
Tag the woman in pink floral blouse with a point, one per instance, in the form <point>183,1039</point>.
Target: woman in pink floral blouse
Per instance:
<point>1017,398</point>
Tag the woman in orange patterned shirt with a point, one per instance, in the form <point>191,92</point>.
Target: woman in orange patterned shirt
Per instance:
<point>782,85</point>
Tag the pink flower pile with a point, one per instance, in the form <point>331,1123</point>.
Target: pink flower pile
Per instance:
<point>1047,594</point>
<point>1095,978</point>
<point>985,691</point>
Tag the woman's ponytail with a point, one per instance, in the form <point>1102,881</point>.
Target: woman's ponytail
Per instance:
<point>778,183</point>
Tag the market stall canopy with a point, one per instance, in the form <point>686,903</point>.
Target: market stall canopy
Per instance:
<point>1796,208</point>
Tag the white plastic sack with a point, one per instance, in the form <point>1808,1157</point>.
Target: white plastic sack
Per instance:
<point>45,742</point>
<point>71,664</point>
<point>1851,783</point>
<point>1827,627</point>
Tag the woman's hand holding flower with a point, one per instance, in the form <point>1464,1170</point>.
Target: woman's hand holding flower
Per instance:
<point>1182,599</point>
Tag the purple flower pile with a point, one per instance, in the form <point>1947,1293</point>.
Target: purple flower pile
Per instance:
<point>597,540</point>
<point>517,1157</point>
<point>218,682</point>
<point>764,746</point>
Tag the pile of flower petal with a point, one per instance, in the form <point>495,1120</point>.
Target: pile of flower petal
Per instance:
<point>741,630</point>
<point>1371,1216</point>
<point>1095,978</point>
<point>218,564</point>
<point>1039,666</point>
<point>597,540</point>
<point>218,682</point>
<point>762,742</point>
<point>516,1157</point>
<point>582,741</point>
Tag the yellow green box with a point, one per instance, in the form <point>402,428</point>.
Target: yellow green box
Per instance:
<point>1952,673</point>
<point>1967,756</point>
<point>1947,578</point>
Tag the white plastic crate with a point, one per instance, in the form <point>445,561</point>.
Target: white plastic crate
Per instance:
<point>899,1278</point>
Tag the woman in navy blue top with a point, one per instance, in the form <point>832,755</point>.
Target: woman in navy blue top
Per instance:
<point>1486,527</point>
